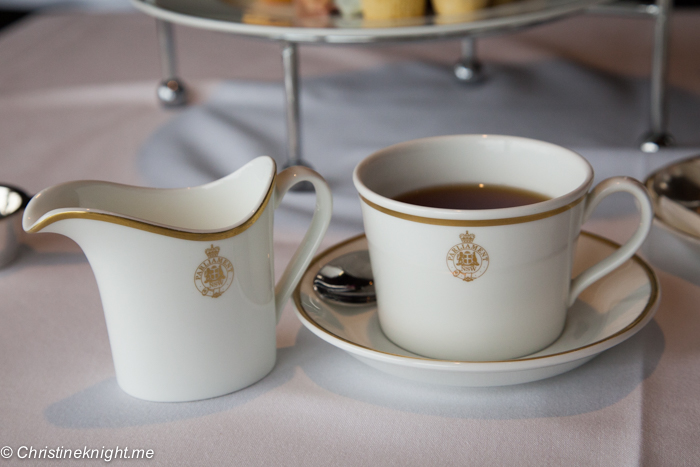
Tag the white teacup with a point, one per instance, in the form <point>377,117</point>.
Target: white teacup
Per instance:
<point>510,299</point>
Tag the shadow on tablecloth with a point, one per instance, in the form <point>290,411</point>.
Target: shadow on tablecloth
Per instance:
<point>600,383</point>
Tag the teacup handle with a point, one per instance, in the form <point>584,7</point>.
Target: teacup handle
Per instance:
<point>626,251</point>
<point>317,229</point>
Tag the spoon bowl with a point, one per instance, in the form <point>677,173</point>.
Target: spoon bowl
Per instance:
<point>347,279</point>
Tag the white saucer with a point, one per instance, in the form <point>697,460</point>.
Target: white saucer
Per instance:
<point>607,313</point>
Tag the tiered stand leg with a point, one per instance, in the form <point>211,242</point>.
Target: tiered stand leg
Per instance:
<point>171,91</point>
<point>290,63</point>
<point>658,136</point>
<point>468,68</point>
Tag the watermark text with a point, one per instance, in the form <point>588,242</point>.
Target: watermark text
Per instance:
<point>60,452</point>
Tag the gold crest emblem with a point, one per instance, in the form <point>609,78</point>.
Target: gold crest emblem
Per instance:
<point>214,275</point>
<point>468,261</point>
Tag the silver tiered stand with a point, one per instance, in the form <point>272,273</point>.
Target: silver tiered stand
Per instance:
<point>231,16</point>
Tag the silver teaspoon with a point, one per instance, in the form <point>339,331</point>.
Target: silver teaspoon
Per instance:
<point>347,279</point>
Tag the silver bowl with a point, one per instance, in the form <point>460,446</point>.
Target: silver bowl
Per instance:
<point>12,203</point>
<point>671,245</point>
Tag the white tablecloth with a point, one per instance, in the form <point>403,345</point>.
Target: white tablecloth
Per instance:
<point>77,101</point>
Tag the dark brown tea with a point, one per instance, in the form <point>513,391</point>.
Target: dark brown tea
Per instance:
<point>471,196</point>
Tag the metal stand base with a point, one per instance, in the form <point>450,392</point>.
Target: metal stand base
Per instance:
<point>469,73</point>
<point>468,69</point>
<point>172,93</point>
<point>653,142</point>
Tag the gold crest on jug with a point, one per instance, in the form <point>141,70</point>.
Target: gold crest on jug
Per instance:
<point>214,275</point>
<point>468,261</point>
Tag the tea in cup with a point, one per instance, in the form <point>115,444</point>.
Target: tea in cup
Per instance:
<point>472,239</point>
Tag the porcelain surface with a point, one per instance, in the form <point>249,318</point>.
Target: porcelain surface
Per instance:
<point>186,276</point>
<point>607,313</point>
<point>494,284</point>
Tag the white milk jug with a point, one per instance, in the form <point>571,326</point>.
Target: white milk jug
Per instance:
<point>186,276</point>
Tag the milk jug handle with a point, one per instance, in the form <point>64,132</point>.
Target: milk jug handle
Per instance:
<point>625,252</point>
<point>319,224</point>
